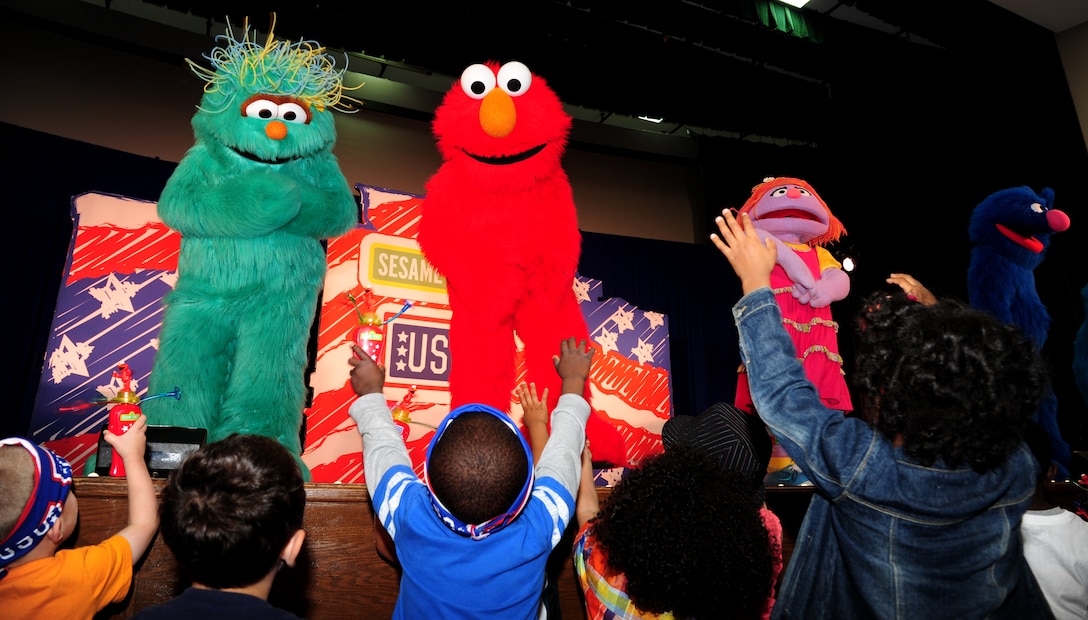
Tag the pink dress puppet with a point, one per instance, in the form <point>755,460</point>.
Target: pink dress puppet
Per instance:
<point>499,223</point>
<point>806,280</point>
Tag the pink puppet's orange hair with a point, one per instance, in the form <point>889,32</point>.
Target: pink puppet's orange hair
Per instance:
<point>835,229</point>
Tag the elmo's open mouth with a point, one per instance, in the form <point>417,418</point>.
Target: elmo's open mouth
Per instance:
<point>503,160</point>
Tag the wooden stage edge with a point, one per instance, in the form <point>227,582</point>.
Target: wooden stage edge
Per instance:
<point>339,573</point>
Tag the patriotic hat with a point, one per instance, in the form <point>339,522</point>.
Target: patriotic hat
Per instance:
<point>736,440</point>
<point>52,482</point>
<point>479,531</point>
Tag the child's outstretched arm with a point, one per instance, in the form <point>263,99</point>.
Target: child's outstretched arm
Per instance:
<point>143,505</point>
<point>383,447</point>
<point>913,288</point>
<point>561,458</point>
<point>586,504</point>
<point>534,416</point>
<point>752,259</point>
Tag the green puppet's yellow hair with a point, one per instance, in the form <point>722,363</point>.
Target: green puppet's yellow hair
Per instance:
<point>302,69</point>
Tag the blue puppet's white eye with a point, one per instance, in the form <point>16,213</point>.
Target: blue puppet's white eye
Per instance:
<point>477,81</point>
<point>291,113</point>
<point>1036,207</point>
<point>515,78</point>
<point>262,108</point>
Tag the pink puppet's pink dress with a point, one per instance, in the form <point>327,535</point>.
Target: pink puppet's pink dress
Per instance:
<point>806,280</point>
<point>814,333</point>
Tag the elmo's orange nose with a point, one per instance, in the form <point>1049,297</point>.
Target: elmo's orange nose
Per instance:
<point>498,114</point>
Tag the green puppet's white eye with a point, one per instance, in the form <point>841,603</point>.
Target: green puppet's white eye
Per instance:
<point>262,108</point>
<point>276,107</point>
<point>515,78</point>
<point>477,81</point>
<point>291,113</point>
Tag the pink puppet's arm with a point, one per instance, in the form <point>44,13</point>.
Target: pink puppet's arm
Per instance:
<point>792,264</point>
<point>832,286</point>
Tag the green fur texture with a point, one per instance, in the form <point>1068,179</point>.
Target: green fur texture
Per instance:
<point>252,207</point>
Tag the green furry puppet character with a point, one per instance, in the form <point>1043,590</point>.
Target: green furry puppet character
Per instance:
<point>252,199</point>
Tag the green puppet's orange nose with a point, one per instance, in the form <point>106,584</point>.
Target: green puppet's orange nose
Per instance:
<point>276,130</point>
<point>498,114</point>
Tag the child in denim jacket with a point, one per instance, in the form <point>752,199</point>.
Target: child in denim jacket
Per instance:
<point>919,499</point>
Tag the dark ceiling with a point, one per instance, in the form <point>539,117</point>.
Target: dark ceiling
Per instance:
<point>709,65</point>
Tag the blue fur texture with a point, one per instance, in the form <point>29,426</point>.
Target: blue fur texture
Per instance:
<point>1010,231</point>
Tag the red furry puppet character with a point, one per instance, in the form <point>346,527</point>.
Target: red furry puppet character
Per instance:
<point>498,222</point>
<point>806,280</point>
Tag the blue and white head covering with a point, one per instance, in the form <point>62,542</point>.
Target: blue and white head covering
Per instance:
<point>481,530</point>
<point>52,483</point>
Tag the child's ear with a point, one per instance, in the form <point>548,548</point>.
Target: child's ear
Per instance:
<point>56,533</point>
<point>293,547</point>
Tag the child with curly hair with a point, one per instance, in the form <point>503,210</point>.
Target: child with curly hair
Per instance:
<point>738,442</point>
<point>679,536</point>
<point>918,500</point>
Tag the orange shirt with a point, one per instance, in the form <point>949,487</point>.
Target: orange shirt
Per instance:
<point>73,584</point>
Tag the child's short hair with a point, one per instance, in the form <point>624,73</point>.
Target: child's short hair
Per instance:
<point>229,510</point>
<point>479,469</point>
<point>954,382</point>
<point>688,539</point>
<point>35,483</point>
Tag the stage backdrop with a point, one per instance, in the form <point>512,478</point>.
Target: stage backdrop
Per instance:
<point>123,260</point>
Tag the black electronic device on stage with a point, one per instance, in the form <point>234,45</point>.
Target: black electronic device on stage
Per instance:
<point>167,447</point>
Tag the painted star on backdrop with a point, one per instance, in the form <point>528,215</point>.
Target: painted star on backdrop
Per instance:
<point>623,320</point>
<point>656,319</point>
<point>607,340</point>
<point>644,351</point>
<point>581,290</point>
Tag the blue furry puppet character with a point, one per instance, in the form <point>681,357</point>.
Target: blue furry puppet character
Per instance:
<point>253,199</point>
<point>1010,231</point>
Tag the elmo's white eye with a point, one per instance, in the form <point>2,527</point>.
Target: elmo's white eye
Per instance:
<point>262,108</point>
<point>515,78</point>
<point>477,81</point>
<point>1036,207</point>
<point>291,113</point>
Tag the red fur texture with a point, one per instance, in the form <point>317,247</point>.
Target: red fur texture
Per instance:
<point>499,223</point>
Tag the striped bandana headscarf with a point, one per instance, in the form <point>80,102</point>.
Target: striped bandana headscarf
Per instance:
<point>53,481</point>
<point>479,531</point>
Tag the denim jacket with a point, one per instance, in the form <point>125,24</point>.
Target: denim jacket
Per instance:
<point>885,537</point>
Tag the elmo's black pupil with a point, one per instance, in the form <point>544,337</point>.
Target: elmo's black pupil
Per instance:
<point>513,86</point>
<point>478,88</point>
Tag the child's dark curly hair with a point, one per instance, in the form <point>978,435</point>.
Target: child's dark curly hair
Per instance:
<point>953,382</point>
<point>687,537</point>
